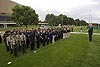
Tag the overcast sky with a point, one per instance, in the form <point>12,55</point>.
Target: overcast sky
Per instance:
<point>82,9</point>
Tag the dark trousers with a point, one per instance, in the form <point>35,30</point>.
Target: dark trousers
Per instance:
<point>7,47</point>
<point>32,46</point>
<point>51,40</point>
<point>90,37</point>
<point>47,41</point>
<point>0,40</point>
<point>14,50</point>
<point>38,44</point>
<point>55,39</point>
<point>23,46</point>
<point>44,42</point>
<point>19,47</point>
<point>27,43</point>
<point>62,36</point>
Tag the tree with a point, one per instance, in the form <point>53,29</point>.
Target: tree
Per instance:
<point>64,20</point>
<point>24,15</point>
<point>70,21</point>
<point>50,18</point>
<point>77,22</point>
<point>83,23</point>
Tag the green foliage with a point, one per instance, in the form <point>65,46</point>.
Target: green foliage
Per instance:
<point>24,15</point>
<point>64,20</point>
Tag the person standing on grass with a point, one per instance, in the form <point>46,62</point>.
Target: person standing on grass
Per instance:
<point>9,42</point>
<point>18,41</point>
<point>44,37</point>
<point>81,29</point>
<point>38,38</point>
<point>48,39</point>
<point>13,44</point>
<point>68,31</point>
<point>90,32</point>
<point>32,40</point>
<point>0,38</point>
<point>23,42</point>
<point>72,29</point>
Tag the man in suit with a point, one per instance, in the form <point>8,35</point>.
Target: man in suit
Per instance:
<point>90,32</point>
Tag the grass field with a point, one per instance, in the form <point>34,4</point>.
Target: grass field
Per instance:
<point>76,51</point>
<point>76,28</point>
<point>18,28</point>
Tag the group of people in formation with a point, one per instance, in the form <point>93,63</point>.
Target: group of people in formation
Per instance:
<point>19,40</point>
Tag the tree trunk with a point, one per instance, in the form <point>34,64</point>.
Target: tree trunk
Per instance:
<point>26,26</point>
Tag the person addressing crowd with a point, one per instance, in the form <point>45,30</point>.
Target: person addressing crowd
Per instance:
<point>90,32</point>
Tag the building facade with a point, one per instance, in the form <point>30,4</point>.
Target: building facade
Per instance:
<point>5,12</point>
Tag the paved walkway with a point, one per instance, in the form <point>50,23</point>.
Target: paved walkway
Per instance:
<point>84,33</point>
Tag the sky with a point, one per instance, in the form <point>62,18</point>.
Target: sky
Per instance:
<point>87,10</point>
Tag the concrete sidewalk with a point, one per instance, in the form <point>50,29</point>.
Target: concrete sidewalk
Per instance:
<point>84,33</point>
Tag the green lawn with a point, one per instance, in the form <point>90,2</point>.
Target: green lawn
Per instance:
<point>18,28</point>
<point>77,29</point>
<point>76,51</point>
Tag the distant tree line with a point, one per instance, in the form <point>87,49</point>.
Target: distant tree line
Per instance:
<point>64,20</point>
<point>25,15</point>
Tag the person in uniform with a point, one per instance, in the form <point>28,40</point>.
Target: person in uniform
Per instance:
<point>32,40</point>
<point>48,34</point>
<point>68,31</point>
<point>90,32</point>
<point>61,32</point>
<point>14,45</point>
<point>18,40</point>
<point>65,32</point>
<point>81,29</point>
<point>55,33</point>
<point>41,38</point>
<point>4,39</point>
<point>38,38</point>
<point>8,41</point>
<point>72,28</point>
<point>0,38</point>
<point>23,42</point>
<point>27,38</point>
<point>51,36</point>
<point>44,37</point>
